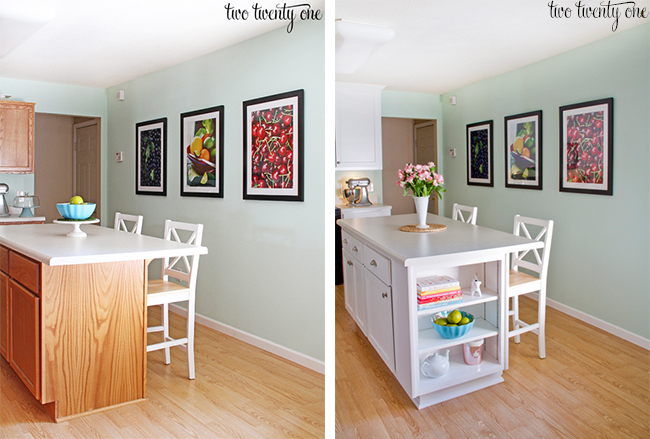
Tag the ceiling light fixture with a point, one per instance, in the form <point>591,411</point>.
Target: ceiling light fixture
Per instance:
<point>19,20</point>
<point>355,42</point>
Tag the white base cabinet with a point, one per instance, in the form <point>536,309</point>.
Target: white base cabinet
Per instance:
<point>404,336</point>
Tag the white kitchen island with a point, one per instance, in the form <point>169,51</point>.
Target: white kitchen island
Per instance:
<point>382,265</point>
<point>73,313</point>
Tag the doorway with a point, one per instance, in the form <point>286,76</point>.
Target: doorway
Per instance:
<point>86,179</point>
<point>399,140</point>
<point>425,146</point>
<point>55,175</point>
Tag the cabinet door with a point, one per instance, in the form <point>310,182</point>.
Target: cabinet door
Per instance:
<point>355,301</point>
<point>358,127</point>
<point>4,315</point>
<point>24,336</point>
<point>16,137</point>
<point>380,318</point>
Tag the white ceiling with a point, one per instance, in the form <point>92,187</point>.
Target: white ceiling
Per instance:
<point>441,45</point>
<point>101,43</point>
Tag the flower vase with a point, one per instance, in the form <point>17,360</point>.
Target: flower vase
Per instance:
<point>422,208</point>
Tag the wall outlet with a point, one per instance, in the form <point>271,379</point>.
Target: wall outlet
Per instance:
<point>119,157</point>
<point>452,152</point>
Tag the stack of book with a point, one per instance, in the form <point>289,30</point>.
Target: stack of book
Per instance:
<point>437,291</point>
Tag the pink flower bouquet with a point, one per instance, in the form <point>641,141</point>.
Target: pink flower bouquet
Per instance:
<point>421,180</point>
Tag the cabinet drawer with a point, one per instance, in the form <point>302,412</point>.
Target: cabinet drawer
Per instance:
<point>4,259</point>
<point>25,271</point>
<point>377,264</point>
<point>353,246</point>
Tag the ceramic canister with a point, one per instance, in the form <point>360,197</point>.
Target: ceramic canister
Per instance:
<point>473,352</point>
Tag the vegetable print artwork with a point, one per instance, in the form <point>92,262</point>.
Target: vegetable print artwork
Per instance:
<point>273,147</point>
<point>151,157</point>
<point>202,153</point>
<point>524,150</point>
<point>479,154</point>
<point>586,151</point>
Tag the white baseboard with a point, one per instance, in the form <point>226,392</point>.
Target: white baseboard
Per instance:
<point>274,348</point>
<point>598,323</point>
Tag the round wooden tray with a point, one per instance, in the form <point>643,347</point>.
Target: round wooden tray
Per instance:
<point>412,228</point>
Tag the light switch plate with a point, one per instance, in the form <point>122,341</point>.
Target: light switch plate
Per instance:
<point>452,152</point>
<point>118,157</point>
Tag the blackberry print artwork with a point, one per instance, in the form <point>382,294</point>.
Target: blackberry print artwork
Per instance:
<point>150,156</point>
<point>479,154</point>
<point>479,150</point>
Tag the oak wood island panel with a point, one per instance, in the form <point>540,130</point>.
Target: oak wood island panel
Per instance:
<point>75,313</point>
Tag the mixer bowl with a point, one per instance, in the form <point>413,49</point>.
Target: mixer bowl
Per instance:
<point>352,195</point>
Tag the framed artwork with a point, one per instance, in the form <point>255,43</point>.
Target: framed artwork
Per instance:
<point>273,147</point>
<point>202,153</point>
<point>480,163</point>
<point>151,157</point>
<point>586,147</point>
<point>523,147</point>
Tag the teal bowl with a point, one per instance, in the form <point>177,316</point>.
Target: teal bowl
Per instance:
<point>76,211</point>
<point>452,331</point>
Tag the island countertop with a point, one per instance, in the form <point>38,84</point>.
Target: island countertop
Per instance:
<point>48,244</point>
<point>458,238</point>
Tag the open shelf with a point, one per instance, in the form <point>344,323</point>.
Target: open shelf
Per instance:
<point>459,372</point>
<point>430,340</point>
<point>488,296</point>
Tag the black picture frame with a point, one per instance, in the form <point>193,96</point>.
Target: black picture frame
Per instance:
<point>151,157</point>
<point>587,147</point>
<point>202,133</point>
<point>523,150</point>
<point>480,157</point>
<point>274,147</point>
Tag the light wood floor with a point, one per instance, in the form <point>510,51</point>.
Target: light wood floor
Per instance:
<point>240,391</point>
<point>590,385</point>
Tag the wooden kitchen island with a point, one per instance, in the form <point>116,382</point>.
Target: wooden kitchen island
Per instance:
<point>381,268</point>
<point>73,313</point>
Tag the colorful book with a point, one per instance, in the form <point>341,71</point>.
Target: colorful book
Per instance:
<point>437,282</point>
<point>439,291</point>
<point>431,305</point>
<point>440,298</point>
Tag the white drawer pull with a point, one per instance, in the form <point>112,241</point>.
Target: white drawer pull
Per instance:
<point>373,263</point>
<point>345,241</point>
<point>355,249</point>
<point>384,295</point>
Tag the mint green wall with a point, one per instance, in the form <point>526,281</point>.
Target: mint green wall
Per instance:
<point>264,273</point>
<point>397,104</point>
<point>600,252</point>
<point>52,98</point>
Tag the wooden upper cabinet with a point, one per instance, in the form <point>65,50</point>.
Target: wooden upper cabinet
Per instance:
<point>16,137</point>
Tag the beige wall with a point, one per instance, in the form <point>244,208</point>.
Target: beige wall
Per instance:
<point>53,167</point>
<point>397,147</point>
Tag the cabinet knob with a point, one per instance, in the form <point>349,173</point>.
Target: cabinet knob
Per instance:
<point>338,162</point>
<point>373,263</point>
<point>355,249</point>
<point>384,295</point>
<point>350,263</point>
<point>345,241</point>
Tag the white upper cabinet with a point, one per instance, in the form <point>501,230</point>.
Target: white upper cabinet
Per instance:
<point>358,126</point>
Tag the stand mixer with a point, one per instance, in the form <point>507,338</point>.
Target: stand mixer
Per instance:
<point>4,210</point>
<point>357,192</point>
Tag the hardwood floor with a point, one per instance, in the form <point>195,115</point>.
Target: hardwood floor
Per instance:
<point>590,385</point>
<point>240,391</point>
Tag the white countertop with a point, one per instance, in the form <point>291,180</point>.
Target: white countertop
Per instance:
<point>13,218</point>
<point>458,238</point>
<point>48,243</point>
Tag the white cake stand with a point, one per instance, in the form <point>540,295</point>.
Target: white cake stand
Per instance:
<point>76,227</point>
